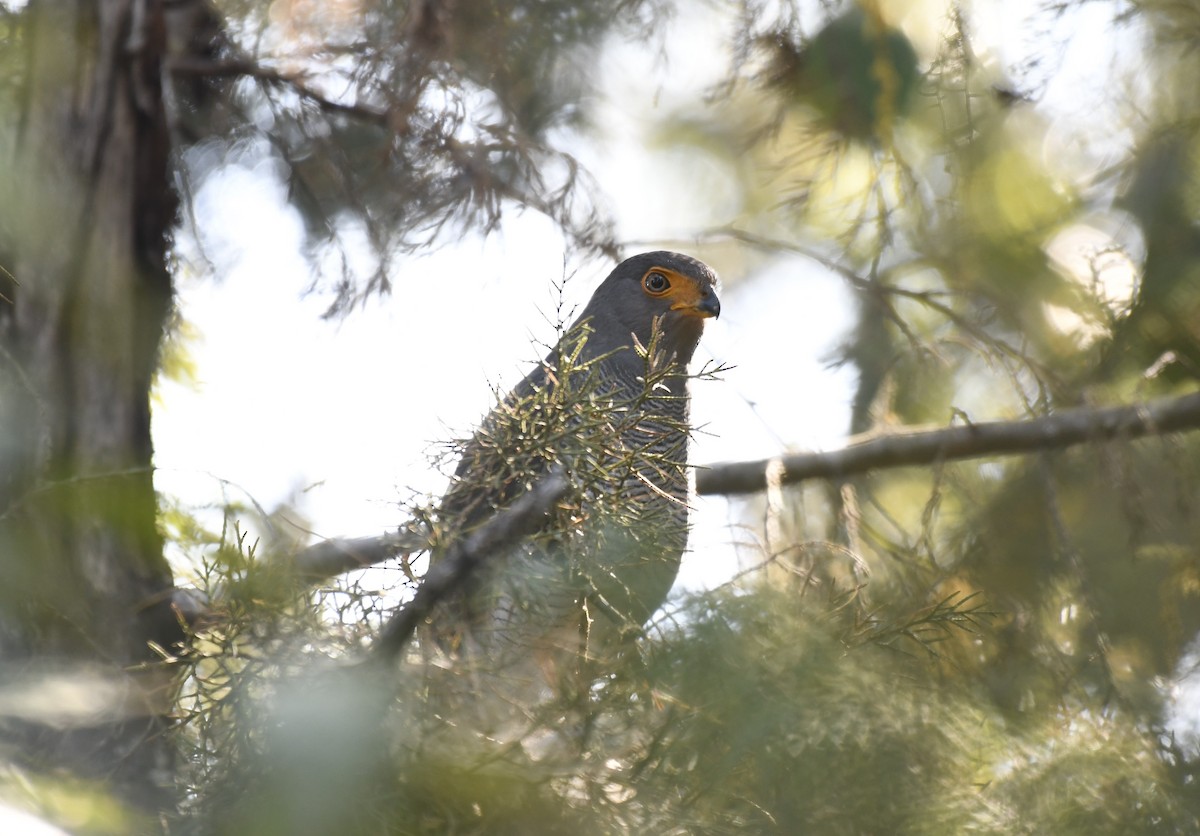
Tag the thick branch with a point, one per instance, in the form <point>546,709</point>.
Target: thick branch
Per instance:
<point>517,521</point>
<point>333,557</point>
<point>997,438</point>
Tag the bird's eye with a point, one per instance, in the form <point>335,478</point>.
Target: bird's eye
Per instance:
<point>656,283</point>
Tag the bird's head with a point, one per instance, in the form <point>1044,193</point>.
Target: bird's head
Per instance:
<point>676,291</point>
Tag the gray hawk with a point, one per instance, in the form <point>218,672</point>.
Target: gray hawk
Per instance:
<point>609,404</point>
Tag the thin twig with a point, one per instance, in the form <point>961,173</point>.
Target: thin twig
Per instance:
<point>298,82</point>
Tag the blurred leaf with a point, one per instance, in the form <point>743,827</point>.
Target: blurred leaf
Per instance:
<point>857,73</point>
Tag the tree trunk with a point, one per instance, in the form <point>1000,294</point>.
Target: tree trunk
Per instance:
<point>84,213</point>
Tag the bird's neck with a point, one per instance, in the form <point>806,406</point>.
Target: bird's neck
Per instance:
<point>632,374</point>
<point>675,345</point>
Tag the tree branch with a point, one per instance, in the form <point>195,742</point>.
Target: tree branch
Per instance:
<point>333,557</point>
<point>995,438</point>
<point>298,82</point>
<point>508,526</point>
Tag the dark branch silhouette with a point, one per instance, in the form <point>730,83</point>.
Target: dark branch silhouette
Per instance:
<point>298,82</point>
<point>994,438</point>
<point>508,526</point>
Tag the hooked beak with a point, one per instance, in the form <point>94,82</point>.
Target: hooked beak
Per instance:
<point>704,307</point>
<point>710,305</point>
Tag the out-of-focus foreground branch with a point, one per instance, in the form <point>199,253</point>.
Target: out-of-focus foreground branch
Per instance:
<point>517,521</point>
<point>994,438</point>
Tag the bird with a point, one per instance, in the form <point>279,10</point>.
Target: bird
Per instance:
<point>609,406</point>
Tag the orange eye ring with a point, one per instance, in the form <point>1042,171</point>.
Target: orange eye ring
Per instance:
<point>656,283</point>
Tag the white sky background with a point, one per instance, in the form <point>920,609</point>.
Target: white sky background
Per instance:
<point>339,418</point>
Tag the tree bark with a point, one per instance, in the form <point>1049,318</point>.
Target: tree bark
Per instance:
<point>85,210</point>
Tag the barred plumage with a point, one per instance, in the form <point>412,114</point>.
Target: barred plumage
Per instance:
<point>610,404</point>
